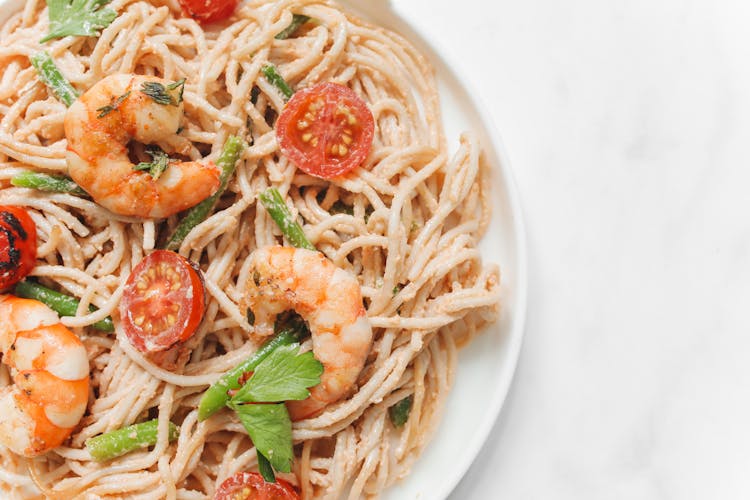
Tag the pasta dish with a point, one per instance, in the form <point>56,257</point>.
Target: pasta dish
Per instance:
<point>237,255</point>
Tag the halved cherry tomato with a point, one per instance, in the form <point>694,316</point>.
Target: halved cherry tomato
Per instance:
<point>208,11</point>
<point>326,130</point>
<point>163,303</point>
<point>17,245</point>
<point>252,486</point>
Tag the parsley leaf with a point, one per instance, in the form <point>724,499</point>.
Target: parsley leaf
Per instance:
<point>159,163</point>
<point>270,428</point>
<point>284,375</point>
<point>77,17</point>
<point>265,468</point>
<point>164,95</point>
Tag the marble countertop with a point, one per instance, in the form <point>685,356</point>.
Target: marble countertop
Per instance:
<point>627,124</point>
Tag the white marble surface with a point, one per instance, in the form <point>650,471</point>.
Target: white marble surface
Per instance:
<point>628,126</point>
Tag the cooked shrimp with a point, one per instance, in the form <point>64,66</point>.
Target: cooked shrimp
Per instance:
<point>99,126</point>
<point>50,369</point>
<point>330,300</point>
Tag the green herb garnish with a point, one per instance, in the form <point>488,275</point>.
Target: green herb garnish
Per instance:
<point>270,428</point>
<point>164,95</point>
<point>291,331</point>
<point>283,375</point>
<point>158,164</point>
<point>105,110</point>
<point>179,84</point>
<point>77,18</point>
<point>399,413</point>
<point>265,468</point>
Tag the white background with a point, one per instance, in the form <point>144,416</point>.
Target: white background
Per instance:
<point>628,127</point>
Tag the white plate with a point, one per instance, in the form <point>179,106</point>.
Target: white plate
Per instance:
<point>486,366</point>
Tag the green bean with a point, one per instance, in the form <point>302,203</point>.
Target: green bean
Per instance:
<point>216,396</point>
<point>51,76</point>
<point>46,182</point>
<point>116,443</point>
<point>399,413</point>
<point>276,79</point>
<point>297,21</point>
<point>279,212</point>
<point>227,162</point>
<point>64,305</point>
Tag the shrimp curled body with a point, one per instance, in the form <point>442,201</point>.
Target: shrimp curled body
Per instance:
<point>330,300</point>
<point>50,369</point>
<point>99,126</point>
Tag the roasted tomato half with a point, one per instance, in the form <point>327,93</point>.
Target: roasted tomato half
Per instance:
<point>252,486</point>
<point>326,130</point>
<point>163,303</point>
<point>17,245</point>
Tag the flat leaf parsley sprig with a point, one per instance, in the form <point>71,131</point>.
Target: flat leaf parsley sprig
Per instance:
<point>284,375</point>
<point>77,18</point>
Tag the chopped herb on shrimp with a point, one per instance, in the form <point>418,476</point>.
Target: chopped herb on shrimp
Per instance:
<point>164,94</point>
<point>158,164</point>
<point>112,179</point>
<point>105,110</point>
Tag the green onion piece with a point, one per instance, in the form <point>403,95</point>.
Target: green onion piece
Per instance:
<point>227,162</point>
<point>276,79</point>
<point>265,469</point>
<point>51,76</point>
<point>64,305</point>
<point>116,443</point>
<point>216,396</point>
<point>399,412</point>
<point>279,212</point>
<point>297,21</point>
<point>46,182</point>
